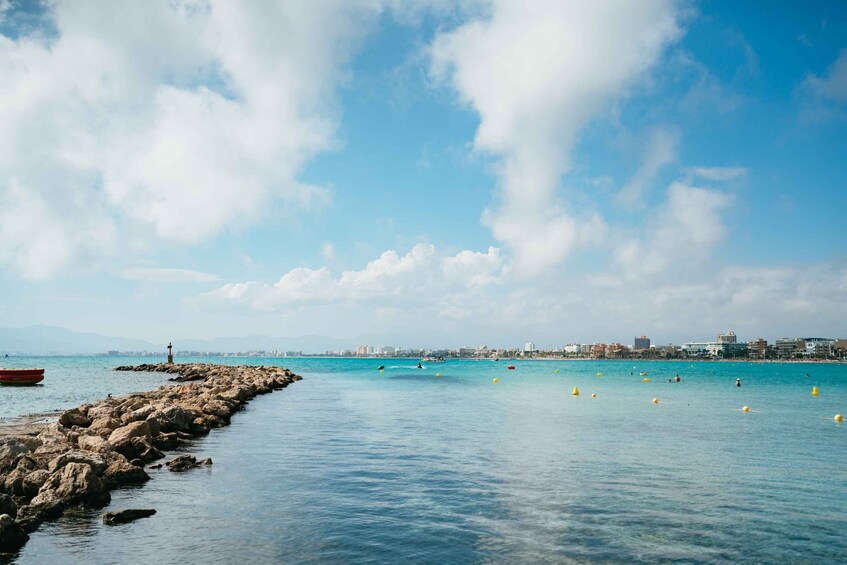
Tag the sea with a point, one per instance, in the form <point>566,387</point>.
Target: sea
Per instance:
<point>444,465</point>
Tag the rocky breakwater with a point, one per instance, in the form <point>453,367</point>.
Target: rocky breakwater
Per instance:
<point>95,448</point>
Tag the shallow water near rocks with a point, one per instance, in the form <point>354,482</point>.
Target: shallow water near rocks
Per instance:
<point>350,465</point>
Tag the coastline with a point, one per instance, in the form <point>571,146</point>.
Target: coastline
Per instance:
<point>47,466</point>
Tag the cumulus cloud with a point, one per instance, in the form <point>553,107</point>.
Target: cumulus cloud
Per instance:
<point>660,150</point>
<point>196,132</point>
<point>420,274</point>
<point>720,174</point>
<point>166,275</point>
<point>536,74</point>
<point>685,228</point>
<point>833,85</point>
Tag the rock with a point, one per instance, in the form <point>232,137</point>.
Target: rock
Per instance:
<point>10,449</point>
<point>105,423</point>
<point>218,408</point>
<point>121,472</point>
<point>203,462</point>
<point>166,440</point>
<point>74,417</point>
<point>122,437</point>
<point>177,418</point>
<point>182,463</point>
<point>12,536</point>
<point>95,461</point>
<point>74,482</point>
<point>8,506</point>
<point>125,516</point>
<point>33,482</point>
<point>156,466</point>
<point>51,436</point>
<point>95,444</point>
<point>14,482</point>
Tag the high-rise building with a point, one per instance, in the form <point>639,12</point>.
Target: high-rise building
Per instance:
<point>642,342</point>
<point>529,347</point>
<point>728,337</point>
<point>757,348</point>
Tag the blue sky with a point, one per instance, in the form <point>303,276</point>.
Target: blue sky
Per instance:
<point>426,172</point>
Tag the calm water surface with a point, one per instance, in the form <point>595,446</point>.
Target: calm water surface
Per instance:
<point>350,466</point>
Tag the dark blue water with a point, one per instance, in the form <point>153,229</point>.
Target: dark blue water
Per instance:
<point>350,466</point>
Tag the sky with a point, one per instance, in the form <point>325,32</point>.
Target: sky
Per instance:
<point>433,173</point>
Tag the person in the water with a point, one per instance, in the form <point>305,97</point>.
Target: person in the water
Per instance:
<point>677,379</point>
<point>419,365</point>
<point>737,382</point>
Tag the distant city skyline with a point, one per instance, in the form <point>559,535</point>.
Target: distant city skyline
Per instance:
<point>427,172</point>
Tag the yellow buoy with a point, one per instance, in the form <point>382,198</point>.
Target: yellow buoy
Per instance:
<point>745,409</point>
<point>814,391</point>
<point>382,370</point>
<point>646,379</point>
<point>437,374</point>
<point>599,374</point>
<point>593,395</point>
<point>655,401</point>
<point>557,371</point>
<point>496,380</point>
<point>839,418</point>
<point>575,391</point>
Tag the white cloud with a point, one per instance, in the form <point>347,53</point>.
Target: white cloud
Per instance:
<point>720,174</point>
<point>683,230</point>
<point>832,86</point>
<point>194,133</point>
<point>660,150</point>
<point>328,251</point>
<point>536,74</point>
<point>421,274</point>
<point>166,275</point>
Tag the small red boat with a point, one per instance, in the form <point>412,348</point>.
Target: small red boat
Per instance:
<point>21,376</point>
<point>510,367</point>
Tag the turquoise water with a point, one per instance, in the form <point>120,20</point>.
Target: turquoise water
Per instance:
<point>350,465</point>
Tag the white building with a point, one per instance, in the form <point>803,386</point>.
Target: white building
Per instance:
<point>529,347</point>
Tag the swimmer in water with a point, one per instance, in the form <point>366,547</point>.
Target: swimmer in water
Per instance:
<point>419,365</point>
<point>677,379</point>
<point>737,382</point>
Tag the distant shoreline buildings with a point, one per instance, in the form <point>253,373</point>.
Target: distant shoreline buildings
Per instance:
<point>725,346</point>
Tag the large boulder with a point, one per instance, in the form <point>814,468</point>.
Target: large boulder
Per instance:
<point>8,506</point>
<point>95,444</point>
<point>10,449</point>
<point>12,536</point>
<point>94,460</point>
<point>74,482</point>
<point>74,417</point>
<point>105,423</point>
<point>218,408</point>
<point>33,482</point>
<point>121,472</point>
<point>122,437</point>
<point>177,418</point>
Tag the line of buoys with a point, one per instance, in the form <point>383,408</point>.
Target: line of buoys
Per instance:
<point>645,380</point>
<point>496,380</point>
<point>839,418</point>
<point>814,391</point>
<point>745,409</point>
<point>575,391</point>
<point>655,401</point>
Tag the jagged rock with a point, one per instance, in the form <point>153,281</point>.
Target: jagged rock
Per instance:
<point>122,437</point>
<point>94,460</point>
<point>121,472</point>
<point>12,536</point>
<point>10,449</point>
<point>75,482</point>
<point>95,444</point>
<point>177,418</point>
<point>52,435</point>
<point>33,482</point>
<point>14,482</point>
<point>8,506</point>
<point>74,417</point>
<point>156,466</point>
<point>125,516</point>
<point>105,423</point>
<point>218,408</point>
<point>182,463</point>
<point>166,440</point>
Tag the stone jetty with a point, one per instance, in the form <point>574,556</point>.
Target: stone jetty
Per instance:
<point>98,447</point>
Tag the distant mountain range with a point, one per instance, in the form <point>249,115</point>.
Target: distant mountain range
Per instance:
<point>52,340</point>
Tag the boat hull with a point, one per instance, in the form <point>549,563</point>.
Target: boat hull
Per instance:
<point>21,377</point>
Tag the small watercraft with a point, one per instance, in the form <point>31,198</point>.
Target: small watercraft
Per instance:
<point>510,367</point>
<point>21,376</point>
